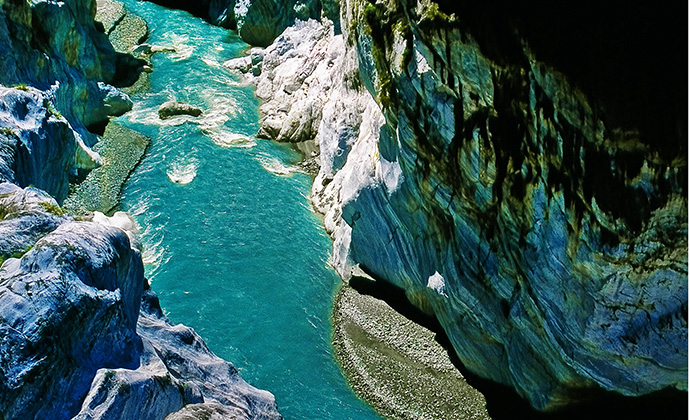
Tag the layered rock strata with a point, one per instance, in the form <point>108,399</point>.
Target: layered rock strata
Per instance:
<point>550,245</point>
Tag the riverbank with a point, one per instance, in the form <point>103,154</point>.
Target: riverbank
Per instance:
<point>396,364</point>
<point>121,150</point>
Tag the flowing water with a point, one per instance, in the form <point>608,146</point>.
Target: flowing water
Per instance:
<point>231,245</point>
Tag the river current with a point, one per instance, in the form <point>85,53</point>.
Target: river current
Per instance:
<point>232,246</point>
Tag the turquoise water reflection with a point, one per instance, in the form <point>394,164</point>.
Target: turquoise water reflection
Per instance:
<point>232,247</point>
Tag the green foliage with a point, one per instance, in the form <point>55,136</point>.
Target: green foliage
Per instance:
<point>50,108</point>
<point>21,86</point>
<point>17,254</point>
<point>52,208</point>
<point>123,388</point>
<point>8,132</point>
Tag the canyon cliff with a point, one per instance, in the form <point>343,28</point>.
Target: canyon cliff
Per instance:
<point>533,202</point>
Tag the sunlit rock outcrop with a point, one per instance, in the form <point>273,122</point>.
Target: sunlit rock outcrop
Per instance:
<point>84,337</point>
<point>549,242</point>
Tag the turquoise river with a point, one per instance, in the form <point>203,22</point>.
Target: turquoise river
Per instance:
<point>232,246</point>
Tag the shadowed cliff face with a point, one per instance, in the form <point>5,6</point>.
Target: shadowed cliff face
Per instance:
<point>530,209</point>
<point>522,175</point>
<point>630,59</point>
<point>258,22</point>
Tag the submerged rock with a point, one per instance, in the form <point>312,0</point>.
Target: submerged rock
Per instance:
<point>173,108</point>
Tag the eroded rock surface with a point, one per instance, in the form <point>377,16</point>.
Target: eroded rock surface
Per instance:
<point>37,145</point>
<point>550,244</point>
<point>84,337</point>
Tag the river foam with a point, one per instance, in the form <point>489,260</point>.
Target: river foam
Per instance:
<point>231,245</point>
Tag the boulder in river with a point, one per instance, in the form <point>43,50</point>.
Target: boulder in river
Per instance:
<point>173,108</point>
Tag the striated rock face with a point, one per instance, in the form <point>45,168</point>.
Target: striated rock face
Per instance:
<point>83,336</point>
<point>83,284</point>
<point>56,47</point>
<point>550,243</point>
<point>37,145</point>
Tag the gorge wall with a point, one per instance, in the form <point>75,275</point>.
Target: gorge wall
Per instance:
<point>81,333</point>
<point>539,215</point>
<point>258,22</point>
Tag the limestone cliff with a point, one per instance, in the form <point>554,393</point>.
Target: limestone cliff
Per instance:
<point>545,232</point>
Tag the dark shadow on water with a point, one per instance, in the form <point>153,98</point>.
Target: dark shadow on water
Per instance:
<point>504,403</point>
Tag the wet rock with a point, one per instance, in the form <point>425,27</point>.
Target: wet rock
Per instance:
<point>205,411</point>
<point>239,64</point>
<point>173,108</point>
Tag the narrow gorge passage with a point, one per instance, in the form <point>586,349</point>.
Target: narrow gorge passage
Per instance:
<point>231,245</point>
